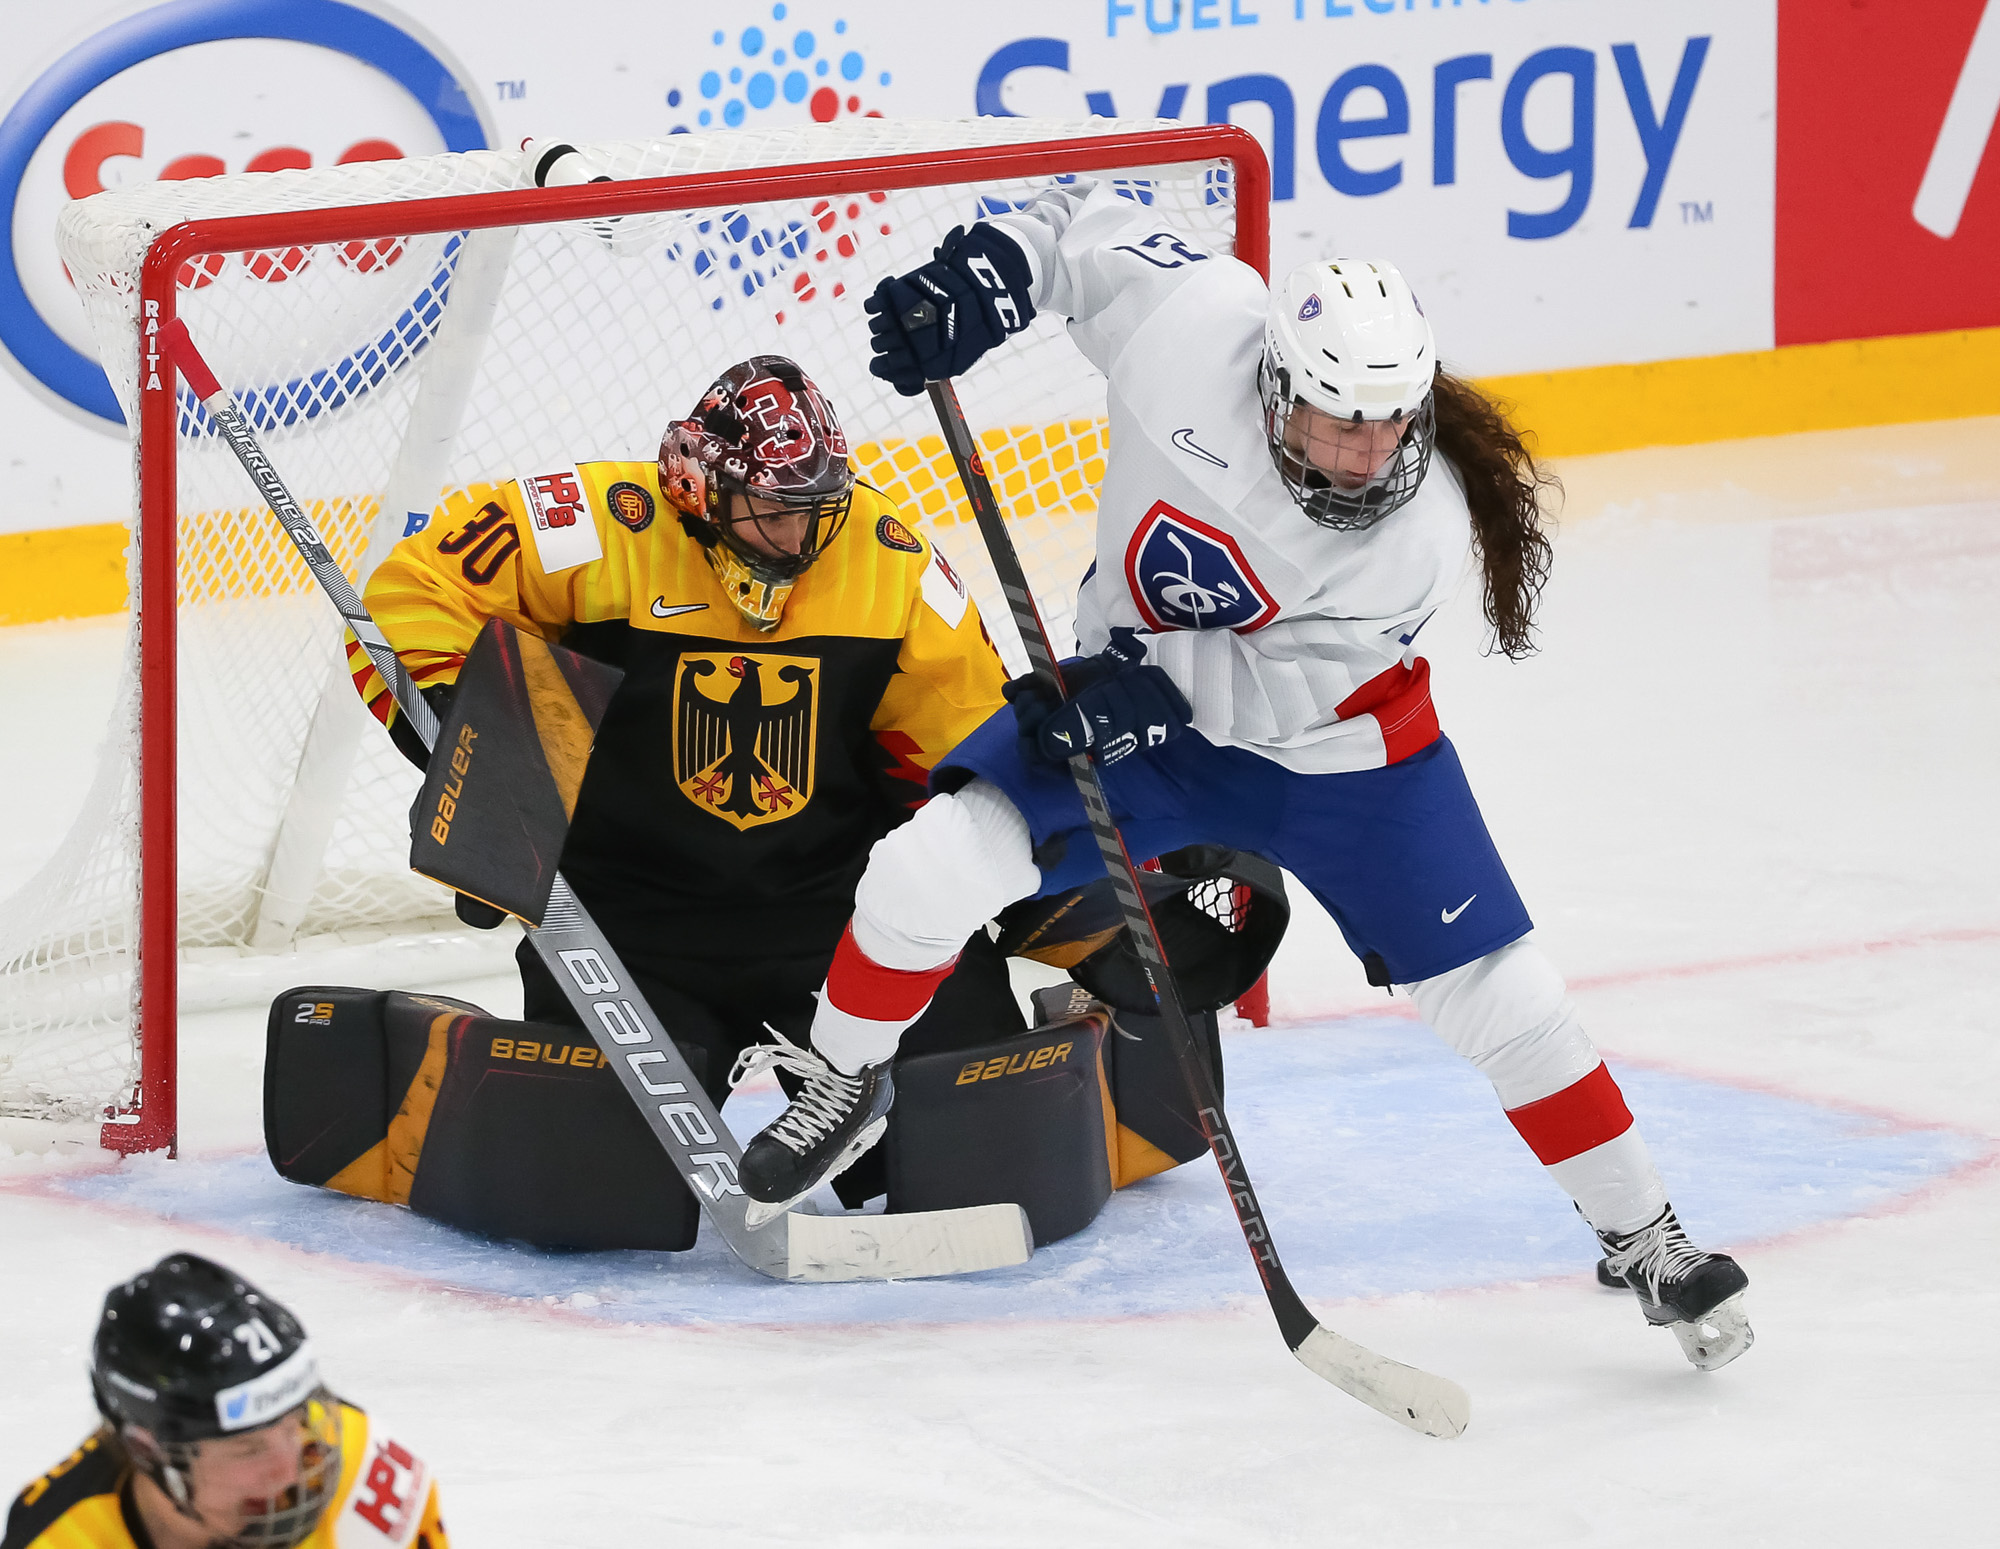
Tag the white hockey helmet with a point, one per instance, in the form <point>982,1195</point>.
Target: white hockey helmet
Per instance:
<point>1346,336</point>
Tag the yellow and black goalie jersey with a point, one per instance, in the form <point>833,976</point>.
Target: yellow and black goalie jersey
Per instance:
<point>738,777</point>
<point>387,1499</point>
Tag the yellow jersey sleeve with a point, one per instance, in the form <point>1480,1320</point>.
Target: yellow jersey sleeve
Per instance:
<point>532,551</point>
<point>947,681</point>
<point>75,1505</point>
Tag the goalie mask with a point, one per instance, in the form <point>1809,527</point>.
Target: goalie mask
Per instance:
<point>1345,381</point>
<point>760,477</point>
<point>214,1394</point>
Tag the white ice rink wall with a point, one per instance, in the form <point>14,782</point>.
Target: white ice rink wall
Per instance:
<point>1573,185</point>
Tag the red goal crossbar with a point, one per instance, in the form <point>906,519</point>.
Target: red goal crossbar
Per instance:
<point>151,1123</point>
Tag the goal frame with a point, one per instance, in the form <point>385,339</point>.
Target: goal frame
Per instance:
<point>150,1122</point>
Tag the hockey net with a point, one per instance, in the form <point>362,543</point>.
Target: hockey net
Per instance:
<point>245,804</point>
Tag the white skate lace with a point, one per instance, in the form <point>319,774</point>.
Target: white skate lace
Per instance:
<point>817,1111</point>
<point>1655,1253</point>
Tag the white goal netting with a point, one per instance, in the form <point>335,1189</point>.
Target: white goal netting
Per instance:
<point>384,373</point>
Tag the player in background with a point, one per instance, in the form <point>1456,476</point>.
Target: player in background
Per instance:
<point>795,659</point>
<point>219,1434</point>
<point>1293,492</point>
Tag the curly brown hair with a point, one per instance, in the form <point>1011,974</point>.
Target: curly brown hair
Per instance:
<point>1503,488</point>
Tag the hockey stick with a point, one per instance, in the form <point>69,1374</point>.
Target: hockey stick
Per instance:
<point>1409,1396</point>
<point>648,1063</point>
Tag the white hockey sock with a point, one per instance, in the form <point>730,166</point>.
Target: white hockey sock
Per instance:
<point>928,886</point>
<point>1510,1015</point>
<point>934,881</point>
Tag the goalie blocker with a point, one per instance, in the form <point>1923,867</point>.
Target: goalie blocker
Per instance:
<point>521,1130</point>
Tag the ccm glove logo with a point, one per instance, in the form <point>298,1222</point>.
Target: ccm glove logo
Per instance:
<point>1119,704</point>
<point>935,321</point>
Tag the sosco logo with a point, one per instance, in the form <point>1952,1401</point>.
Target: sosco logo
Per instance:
<point>197,88</point>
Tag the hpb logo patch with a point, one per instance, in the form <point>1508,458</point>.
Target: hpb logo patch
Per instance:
<point>744,734</point>
<point>1185,574</point>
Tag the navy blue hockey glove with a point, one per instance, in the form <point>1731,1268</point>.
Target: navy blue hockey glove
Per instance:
<point>1117,706</point>
<point>934,322</point>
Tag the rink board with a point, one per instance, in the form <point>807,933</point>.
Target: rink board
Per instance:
<point>1382,1160</point>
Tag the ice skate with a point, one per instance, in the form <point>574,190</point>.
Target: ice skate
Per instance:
<point>828,1125</point>
<point>1696,1294</point>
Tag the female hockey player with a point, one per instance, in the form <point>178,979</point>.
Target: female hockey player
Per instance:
<point>218,1434</point>
<point>1292,493</point>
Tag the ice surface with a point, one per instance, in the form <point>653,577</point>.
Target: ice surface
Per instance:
<point>1748,791</point>
<point>1384,1161</point>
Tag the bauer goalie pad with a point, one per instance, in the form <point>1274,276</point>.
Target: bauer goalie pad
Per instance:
<point>1024,1119</point>
<point>1220,915</point>
<point>503,780</point>
<point>510,1129</point>
<point>1153,1124</point>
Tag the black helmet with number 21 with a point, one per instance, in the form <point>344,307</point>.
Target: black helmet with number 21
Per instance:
<point>189,1355</point>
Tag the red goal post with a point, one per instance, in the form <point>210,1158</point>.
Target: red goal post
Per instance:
<point>146,1116</point>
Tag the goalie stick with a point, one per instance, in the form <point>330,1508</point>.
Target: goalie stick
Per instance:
<point>1406,1395</point>
<point>648,1063</point>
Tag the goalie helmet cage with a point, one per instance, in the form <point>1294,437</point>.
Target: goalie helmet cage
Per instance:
<point>400,330</point>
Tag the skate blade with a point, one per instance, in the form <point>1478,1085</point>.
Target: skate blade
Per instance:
<point>756,1213</point>
<point>1718,1338</point>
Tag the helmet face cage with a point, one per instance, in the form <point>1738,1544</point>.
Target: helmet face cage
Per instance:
<point>283,1521</point>
<point>1324,501</point>
<point>763,430</point>
<point>825,516</point>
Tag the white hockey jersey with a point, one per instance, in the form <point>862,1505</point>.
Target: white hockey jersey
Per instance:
<point>1290,639</point>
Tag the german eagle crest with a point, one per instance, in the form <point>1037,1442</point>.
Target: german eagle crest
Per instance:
<point>744,727</point>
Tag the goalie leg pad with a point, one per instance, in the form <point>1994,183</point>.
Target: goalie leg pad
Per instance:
<point>509,1129</point>
<point>1022,1120</point>
<point>1156,1127</point>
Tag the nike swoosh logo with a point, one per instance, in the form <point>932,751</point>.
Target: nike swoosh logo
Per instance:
<point>1448,915</point>
<point>662,611</point>
<point>1184,439</point>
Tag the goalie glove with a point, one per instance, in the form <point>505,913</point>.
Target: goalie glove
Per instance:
<point>934,322</point>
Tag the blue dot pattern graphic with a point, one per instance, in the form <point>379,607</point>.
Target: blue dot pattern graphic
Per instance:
<point>764,89</point>
<point>730,255</point>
